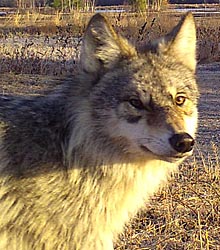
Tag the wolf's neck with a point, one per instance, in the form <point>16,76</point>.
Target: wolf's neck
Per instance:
<point>119,190</point>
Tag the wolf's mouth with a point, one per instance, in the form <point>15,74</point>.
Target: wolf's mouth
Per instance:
<point>144,148</point>
<point>169,158</point>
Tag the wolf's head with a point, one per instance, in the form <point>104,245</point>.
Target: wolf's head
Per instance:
<point>143,102</point>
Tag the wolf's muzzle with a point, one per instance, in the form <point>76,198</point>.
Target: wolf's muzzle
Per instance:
<point>182,142</point>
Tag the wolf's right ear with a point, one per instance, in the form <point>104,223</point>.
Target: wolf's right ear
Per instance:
<point>180,43</point>
<point>102,48</point>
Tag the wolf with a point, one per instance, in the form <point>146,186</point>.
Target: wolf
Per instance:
<point>77,163</point>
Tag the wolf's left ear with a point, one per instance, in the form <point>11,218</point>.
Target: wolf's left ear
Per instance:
<point>180,42</point>
<point>102,48</point>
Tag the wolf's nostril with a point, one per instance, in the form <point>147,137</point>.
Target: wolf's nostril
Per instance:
<point>182,142</point>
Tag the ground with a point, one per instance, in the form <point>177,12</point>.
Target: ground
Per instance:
<point>209,105</point>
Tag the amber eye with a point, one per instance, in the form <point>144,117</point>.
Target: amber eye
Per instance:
<point>136,103</point>
<point>180,99</point>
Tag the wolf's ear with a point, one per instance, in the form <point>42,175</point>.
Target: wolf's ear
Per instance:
<point>180,42</point>
<point>102,48</point>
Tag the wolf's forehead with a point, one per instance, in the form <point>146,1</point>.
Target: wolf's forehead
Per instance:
<point>163,78</point>
<point>148,79</point>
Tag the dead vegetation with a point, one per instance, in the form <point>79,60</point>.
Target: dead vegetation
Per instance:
<point>50,44</point>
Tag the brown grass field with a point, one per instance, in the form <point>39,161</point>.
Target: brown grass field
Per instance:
<point>37,51</point>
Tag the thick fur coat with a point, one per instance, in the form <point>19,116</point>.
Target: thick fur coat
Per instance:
<point>78,163</point>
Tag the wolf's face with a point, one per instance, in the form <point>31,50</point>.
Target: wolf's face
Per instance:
<point>145,102</point>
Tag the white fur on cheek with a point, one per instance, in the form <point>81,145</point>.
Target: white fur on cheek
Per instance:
<point>191,124</point>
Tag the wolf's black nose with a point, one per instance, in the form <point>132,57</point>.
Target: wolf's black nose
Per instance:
<point>182,142</point>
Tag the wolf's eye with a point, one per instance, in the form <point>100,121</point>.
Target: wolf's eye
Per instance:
<point>180,99</point>
<point>136,103</point>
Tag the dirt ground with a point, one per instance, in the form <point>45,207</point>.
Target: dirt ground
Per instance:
<point>209,106</point>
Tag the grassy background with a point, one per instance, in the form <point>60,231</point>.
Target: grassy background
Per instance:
<point>49,44</point>
<point>36,50</point>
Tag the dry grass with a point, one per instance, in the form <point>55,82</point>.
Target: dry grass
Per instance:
<point>39,55</point>
<point>184,215</point>
<point>50,44</point>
